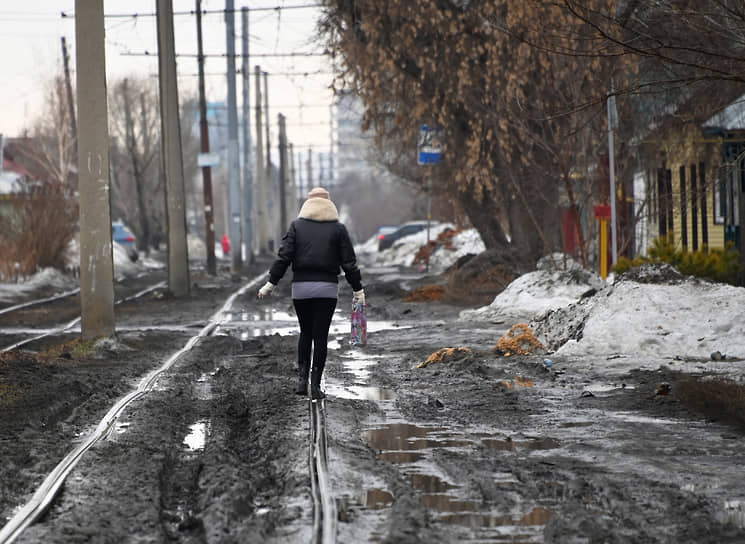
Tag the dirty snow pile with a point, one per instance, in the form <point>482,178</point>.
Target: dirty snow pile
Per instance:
<point>651,313</point>
<point>403,251</point>
<point>683,317</point>
<point>556,283</point>
<point>46,277</point>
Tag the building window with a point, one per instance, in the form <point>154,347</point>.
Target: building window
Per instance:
<point>683,207</point>
<point>720,202</point>
<point>704,211</point>
<point>694,208</point>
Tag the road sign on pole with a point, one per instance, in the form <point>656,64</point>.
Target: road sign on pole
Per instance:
<point>429,147</point>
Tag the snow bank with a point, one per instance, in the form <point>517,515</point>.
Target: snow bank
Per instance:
<point>691,319</point>
<point>537,292</point>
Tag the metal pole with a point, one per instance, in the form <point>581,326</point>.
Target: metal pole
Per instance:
<point>209,222</point>
<point>248,184</point>
<point>233,155</point>
<point>612,116</point>
<point>96,254</point>
<point>173,164</point>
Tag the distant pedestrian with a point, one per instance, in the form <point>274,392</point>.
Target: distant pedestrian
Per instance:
<point>225,245</point>
<point>318,247</point>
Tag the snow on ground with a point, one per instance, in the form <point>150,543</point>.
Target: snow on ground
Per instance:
<point>689,320</point>
<point>403,251</point>
<point>46,277</point>
<point>534,293</point>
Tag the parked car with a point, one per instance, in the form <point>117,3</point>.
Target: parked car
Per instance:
<point>121,234</point>
<point>383,230</point>
<point>412,227</point>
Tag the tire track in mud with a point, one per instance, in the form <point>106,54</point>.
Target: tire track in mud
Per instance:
<point>49,488</point>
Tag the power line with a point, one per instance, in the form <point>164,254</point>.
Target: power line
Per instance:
<point>225,55</point>
<point>66,15</point>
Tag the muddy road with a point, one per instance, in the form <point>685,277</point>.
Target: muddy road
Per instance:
<point>476,447</point>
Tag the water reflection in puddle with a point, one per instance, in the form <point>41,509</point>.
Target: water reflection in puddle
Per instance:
<point>376,499</point>
<point>407,437</point>
<point>359,392</point>
<point>197,437</point>
<point>514,445</point>
<point>537,516</point>
<point>733,513</point>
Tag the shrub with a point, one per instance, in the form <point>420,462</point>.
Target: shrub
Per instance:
<point>37,232</point>
<point>722,265</point>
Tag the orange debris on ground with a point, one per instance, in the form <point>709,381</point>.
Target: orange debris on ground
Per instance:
<point>446,355</point>
<point>519,340</point>
<point>428,293</point>
<point>519,382</point>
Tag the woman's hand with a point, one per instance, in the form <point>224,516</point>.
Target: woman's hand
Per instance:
<point>266,290</point>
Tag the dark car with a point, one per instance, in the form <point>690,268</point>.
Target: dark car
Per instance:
<point>412,227</point>
<point>121,234</point>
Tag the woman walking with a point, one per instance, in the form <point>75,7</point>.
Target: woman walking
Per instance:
<point>318,247</point>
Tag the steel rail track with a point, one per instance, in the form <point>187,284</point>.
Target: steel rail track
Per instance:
<point>72,323</point>
<point>40,301</point>
<point>45,493</point>
<point>324,508</point>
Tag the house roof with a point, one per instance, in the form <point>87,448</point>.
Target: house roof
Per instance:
<point>731,117</point>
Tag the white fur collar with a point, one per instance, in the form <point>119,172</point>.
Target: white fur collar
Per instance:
<point>319,209</point>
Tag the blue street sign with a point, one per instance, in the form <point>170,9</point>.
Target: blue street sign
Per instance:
<point>429,147</point>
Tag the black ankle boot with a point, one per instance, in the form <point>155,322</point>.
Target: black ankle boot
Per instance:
<point>302,381</point>
<point>315,384</point>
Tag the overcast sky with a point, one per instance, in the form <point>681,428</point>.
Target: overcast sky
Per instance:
<point>30,33</point>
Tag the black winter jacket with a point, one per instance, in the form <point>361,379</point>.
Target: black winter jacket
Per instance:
<point>318,247</point>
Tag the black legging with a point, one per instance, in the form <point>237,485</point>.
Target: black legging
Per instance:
<point>314,316</point>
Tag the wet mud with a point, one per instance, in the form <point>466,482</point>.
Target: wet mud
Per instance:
<point>485,448</point>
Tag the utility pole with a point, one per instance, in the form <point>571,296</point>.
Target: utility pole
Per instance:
<point>234,172</point>
<point>70,100</point>
<point>310,170</point>
<point>96,253</point>
<point>247,178</point>
<point>612,125</point>
<point>261,172</point>
<point>331,144</point>
<point>173,163</point>
<point>282,172</point>
<point>271,189</point>
<point>292,184</point>
<point>204,132</point>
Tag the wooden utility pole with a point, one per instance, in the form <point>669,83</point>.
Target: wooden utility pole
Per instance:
<point>234,171</point>
<point>204,132</point>
<point>70,99</point>
<point>282,173</point>
<point>173,165</point>
<point>96,254</point>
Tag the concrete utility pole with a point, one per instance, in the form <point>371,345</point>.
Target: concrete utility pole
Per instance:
<point>70,99</point>
<point>291,183</point>
<point>173,164</point>
<point>261,173</point>
<point>234,171</point>
<point>96,256</point>
<point>282,173</point>
<point>272,190</point>
<point>204,132</point>
<point>248,186</point>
